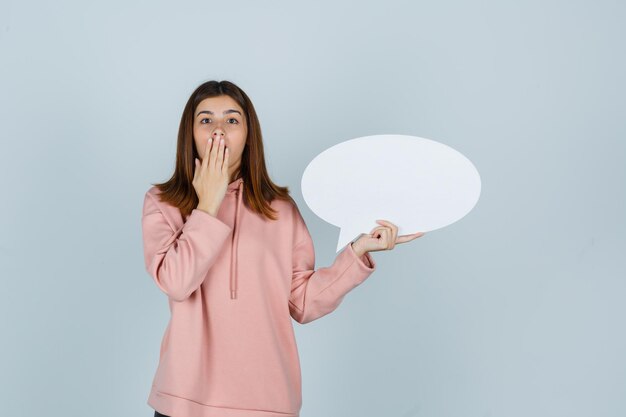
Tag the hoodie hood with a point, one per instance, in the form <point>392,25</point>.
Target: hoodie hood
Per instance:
<point>235,189</point>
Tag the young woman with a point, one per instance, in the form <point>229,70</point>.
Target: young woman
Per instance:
<point>233,254</point>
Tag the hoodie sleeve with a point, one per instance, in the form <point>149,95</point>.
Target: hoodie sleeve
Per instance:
<point>178,261</point>
<point>315,293</point>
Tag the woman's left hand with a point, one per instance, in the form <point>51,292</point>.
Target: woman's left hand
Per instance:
<point>381,238</point>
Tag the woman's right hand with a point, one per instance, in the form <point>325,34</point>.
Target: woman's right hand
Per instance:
<point>210,178</point>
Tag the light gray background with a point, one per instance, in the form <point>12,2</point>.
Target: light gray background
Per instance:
<point>516,310</point>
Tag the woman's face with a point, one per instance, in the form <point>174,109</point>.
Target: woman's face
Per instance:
<point>221,117</point>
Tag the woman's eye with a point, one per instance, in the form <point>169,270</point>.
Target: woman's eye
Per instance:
<point>232,118</point>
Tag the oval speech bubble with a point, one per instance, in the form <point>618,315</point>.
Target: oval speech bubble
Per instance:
<point>416,183</point>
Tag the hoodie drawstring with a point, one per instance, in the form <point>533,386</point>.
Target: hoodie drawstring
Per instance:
<point>235,244</point>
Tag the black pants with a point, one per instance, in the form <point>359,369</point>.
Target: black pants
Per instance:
<point>157,414</point>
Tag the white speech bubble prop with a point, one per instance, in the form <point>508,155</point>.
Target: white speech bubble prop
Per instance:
<point>417,184</point>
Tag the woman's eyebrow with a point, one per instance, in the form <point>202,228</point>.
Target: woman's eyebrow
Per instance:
<point>225,112</point>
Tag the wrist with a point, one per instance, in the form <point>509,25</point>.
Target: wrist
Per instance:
<point>356,248</point>
<point>207,209</point>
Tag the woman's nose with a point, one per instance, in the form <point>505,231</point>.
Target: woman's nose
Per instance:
<point>218,134</point>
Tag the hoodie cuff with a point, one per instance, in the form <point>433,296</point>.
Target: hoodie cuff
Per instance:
<point>202,216</point>
<point>365,261</point>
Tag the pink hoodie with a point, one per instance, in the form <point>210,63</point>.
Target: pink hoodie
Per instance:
<point>233,284</point>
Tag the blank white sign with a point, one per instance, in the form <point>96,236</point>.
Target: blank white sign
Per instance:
<point>416,183</point>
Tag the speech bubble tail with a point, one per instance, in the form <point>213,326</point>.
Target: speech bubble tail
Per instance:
<point>346,235</point>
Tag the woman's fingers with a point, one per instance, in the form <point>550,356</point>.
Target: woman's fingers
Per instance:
<point>213,155</point>
<point>207,153</point>
<point>225,165</point>
<point>399,239</point>
<point>383,235</point>
<point>393,229</point>
<point>408,238</point>
<point>220,155</point>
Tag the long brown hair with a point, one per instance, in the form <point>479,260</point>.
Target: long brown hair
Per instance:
<point>259,190</point>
